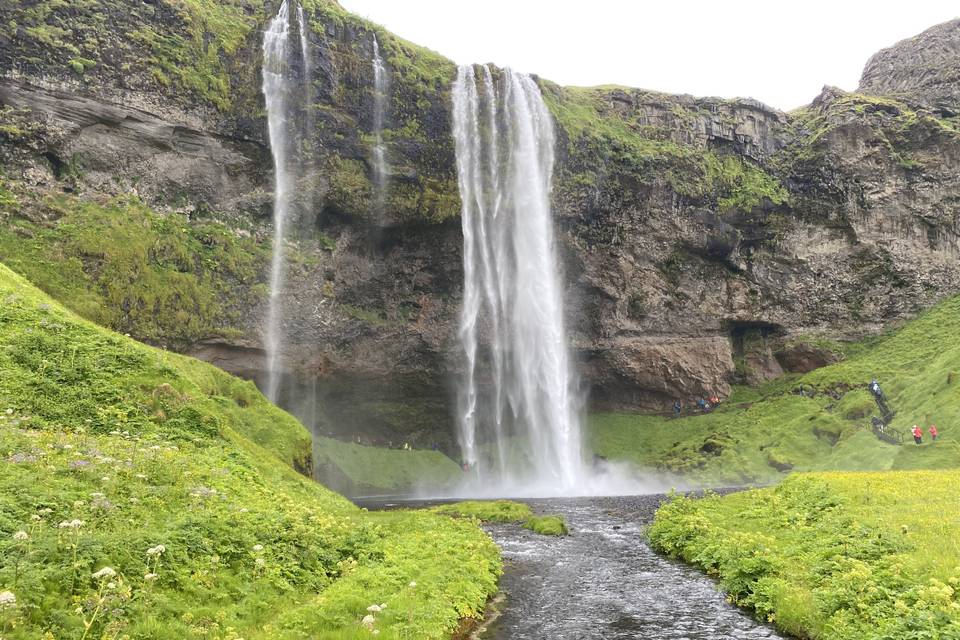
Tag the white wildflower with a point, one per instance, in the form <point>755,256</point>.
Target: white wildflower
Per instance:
<point>111,585</point>
<point>383,605</point>
<point>45,510</point>
<point>374,608</point>
<point>261,562</point>
<point>106,572</point>
<point>36,517</point>
<point>7,600</point>
<point>141,476</point>
<point>157,550</point>
<point>21,535</point>
<point>9,412</point>
<point>105,479</point>
<point>79,503</point>
<point>258,547</point>
<point>71,524</point>
<point>413,584</point>
<point>368,620</point>
<point>150,577</point>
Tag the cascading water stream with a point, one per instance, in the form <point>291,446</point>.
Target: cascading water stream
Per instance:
<point>276,81</point>
<point>380,170</point>
<point>307,71</point>
<point>526,430</point>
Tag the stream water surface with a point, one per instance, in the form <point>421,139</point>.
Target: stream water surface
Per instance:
<point>604,582</point>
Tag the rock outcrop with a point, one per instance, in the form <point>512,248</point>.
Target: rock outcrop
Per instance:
<point>924,69</point>
<point>704,241</point>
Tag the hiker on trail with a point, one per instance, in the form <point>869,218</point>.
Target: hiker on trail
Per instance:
<point>677,407</point>
<point>875,388</point>
<point>933,432</point>
<point>917,434</point>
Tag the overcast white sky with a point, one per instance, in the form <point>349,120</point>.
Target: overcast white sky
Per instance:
<point>779,52</point>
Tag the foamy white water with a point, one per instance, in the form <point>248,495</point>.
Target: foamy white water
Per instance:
<point>523,428</point>
<point>276,72</point>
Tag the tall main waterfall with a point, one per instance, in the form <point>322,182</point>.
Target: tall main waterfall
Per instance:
<point>379,153</point>
<point>523,427</point>
<point>276,91</point>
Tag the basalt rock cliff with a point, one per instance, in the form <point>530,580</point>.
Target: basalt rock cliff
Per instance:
<point>704,241</point>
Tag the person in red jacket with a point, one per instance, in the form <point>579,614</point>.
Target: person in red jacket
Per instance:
<point>933,432</point>
<point>917,434</point>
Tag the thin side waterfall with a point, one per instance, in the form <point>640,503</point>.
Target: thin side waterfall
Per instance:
<point>276,89</point>
<point>380,170</point>
<point>523,427</point>
<point>307,70</point>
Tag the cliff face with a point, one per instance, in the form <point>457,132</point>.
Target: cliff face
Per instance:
<point>704,240</point>
<point>924,69</point>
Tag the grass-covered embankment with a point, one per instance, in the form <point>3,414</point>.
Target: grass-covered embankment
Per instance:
<point>759,434</point>
<point>832,556</point>
<point>506,511</point>
<point>359,470</point>
<point>150,496</point>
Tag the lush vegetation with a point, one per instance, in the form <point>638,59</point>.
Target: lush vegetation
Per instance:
<point>159,277</point>
<point>547,525</point>
<point>831,556</point>
<point>357,470</point>
<point>487,510</point>
<point>760,433</point>
<point>147,495</point>
<point>506,511</point>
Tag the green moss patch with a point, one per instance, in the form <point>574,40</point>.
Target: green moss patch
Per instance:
<point>487,511</point>
<point>156,276</point>
<point>547,525</point>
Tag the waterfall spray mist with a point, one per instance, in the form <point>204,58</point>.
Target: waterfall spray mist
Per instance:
<point>526,429</point>
<point>276,72</point>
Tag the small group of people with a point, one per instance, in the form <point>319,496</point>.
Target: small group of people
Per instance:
<point>704,404</point>
<point>918,433</point>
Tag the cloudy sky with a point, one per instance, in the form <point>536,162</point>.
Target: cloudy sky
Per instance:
<point>779,52</point>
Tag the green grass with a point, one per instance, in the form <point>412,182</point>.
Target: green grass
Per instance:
<point>547,525</point>
<point>156,276</point>
<point>357,470</point>
<point>147,448</point>
<point>831,556</point>
<point>761,433</point>
<point>487,511</point>
<point>506,511</point>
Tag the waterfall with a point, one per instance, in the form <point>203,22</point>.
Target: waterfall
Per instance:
<point>379,153</point>
<point>276,72</point>
<point>307,71</point>
<point>524,426</point>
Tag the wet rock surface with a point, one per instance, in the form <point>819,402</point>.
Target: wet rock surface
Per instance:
<point>604,582</point>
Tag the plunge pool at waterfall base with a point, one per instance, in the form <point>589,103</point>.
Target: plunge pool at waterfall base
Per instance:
<point>603,581</point>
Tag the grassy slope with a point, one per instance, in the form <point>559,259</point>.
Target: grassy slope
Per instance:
<point>360,470</point>
<point>117,262</point>
<point>833,556</point>
<point>754,435</point>
<point>147,448</point>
